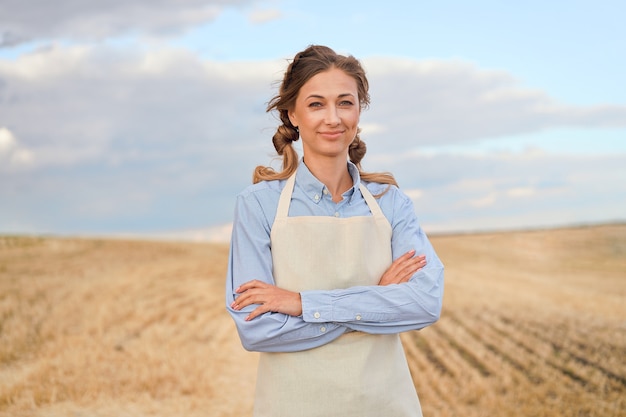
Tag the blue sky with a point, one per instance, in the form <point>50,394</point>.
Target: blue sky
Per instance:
<point>147,117</point>
<point>570,48</point>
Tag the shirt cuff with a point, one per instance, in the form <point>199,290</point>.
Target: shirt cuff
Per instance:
<point>316,306</point>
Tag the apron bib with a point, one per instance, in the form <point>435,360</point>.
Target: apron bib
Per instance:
<point>358,374</point>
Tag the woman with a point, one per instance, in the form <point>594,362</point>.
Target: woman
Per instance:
<point>328,264</point>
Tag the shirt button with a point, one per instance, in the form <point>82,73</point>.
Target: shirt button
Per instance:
<point>322,329</point>
<point>325,191</point>
<point>336,214</point>
<point>358,317</point>
<point>317,315</point>
<point>317,197</point>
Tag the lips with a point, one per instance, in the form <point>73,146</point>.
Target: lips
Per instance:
<point>332,134</point>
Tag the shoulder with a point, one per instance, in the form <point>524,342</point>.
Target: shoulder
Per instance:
<point>394,203</point>
<point>260,197</point>
<point>256,204</point>
<point>261,189</point>
<point>386,192</point>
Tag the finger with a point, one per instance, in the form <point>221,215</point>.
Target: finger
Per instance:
<point>407,264</point>
<point>401,260</point>
<point>246,286</point>
<point>411,261</point>
<point>406,269</point>
<point>415,263</point>
<point>408,272</point>
<point>245,299</point>
<point>406,256</point>
<point>399,263</point>
<point>255,283</point>
<point>257,312</point>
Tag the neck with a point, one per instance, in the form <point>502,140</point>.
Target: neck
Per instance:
<point>333,173</point>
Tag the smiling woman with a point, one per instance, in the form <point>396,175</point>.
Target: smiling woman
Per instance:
<point>328,264</point>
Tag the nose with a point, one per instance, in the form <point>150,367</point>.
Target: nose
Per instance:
<point>332,116</point>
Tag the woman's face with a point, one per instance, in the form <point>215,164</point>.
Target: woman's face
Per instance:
<point>327,114</point>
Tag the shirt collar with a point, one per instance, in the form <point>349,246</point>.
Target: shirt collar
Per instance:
<point>314,188</point>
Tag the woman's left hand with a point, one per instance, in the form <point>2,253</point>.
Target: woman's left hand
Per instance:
<point>269,297</point>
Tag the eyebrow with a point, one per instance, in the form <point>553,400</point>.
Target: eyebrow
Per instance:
<point>322,97</point>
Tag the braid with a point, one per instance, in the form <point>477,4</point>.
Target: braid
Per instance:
<point>357,149</point>
<point>287,130</point>
<point>283,140</point>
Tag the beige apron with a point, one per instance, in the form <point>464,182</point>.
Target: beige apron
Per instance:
<point>358,374</point>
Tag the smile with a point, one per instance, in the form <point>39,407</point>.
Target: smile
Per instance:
<point>333,134</point>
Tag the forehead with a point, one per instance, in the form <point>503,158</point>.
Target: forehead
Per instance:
<point>332,82</point>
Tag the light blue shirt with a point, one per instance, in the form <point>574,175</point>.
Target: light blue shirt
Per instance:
<point>326,315</point>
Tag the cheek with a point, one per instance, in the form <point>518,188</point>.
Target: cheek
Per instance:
<point>309,119</point>
<point>355,119</point>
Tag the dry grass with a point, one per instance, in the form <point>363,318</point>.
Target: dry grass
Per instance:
<point>534,323</point>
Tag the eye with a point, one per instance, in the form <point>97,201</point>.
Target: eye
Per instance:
<point>315,104</point>
<point>346,103</point>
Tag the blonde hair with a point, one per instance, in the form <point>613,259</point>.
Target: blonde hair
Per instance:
<point>305,65</point>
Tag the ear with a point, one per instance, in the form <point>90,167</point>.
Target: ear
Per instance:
<point>292,118</point>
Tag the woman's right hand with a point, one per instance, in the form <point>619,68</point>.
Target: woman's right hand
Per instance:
<point>403,268</point>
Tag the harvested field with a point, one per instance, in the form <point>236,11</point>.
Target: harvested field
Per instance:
<point>534,324</point>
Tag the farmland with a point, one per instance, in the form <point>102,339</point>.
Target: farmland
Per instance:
<point>534,323</point>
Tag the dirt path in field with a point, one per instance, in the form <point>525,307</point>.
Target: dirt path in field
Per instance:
<point>533,324</point>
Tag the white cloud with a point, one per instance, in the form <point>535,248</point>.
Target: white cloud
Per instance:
<point>518,190</point>
<point>264,16</point>
<point>413,193</point>
<point>484,201</point>
<point>96,20</point>
<point>22,157</point>
<point>436,102</point>
<point>117,104</point>
<point>521,192</point>
<point>96,104</point>
<point>372,128</point>
<point>12,154</point>
<point>121,139</point>
<point>7,141</point>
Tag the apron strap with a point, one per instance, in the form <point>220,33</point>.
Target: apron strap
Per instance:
<point>285,197</point>
<point>371,201</point>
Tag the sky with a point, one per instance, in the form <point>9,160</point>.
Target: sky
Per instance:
<point>137,117</point>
